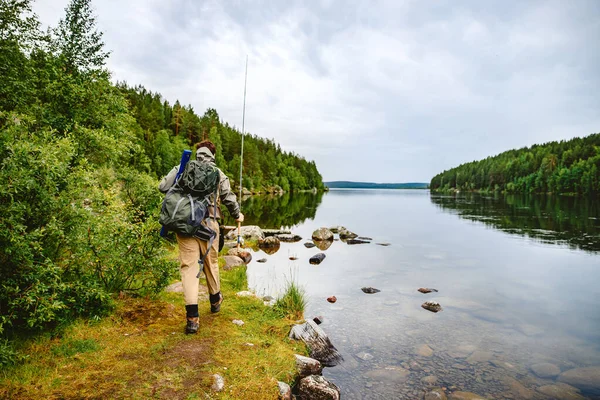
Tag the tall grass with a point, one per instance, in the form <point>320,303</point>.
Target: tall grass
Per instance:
<point>236,278</point>
<point>292,303</point>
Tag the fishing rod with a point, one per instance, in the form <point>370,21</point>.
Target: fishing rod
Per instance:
<point>239,239</point>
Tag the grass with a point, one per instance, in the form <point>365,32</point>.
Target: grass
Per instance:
<point>292,303</point>
<point>141,352</point>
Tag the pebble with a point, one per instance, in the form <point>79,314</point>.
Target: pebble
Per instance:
<point>238,322</point>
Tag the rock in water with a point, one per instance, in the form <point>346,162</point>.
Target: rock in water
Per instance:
<point>262,260</point>
<point>436,394</point>
<point>316,387</point>
<point>466,396</point>
<point>426,290</point>
<point>232,262</point>
<point>356,241</point>
<point>291,238</point>
<point>244,255</point>
<point>323,244</point>
<point>346,234</point>
<point>322,234</point>
<point>318,343</point>
<point>383,244</point>
<point>364,238</point>
<point>306,366</point>
<point>273,232</point>
<point>251,232</point>
<point>318,320</point>
<point>546,370</point>
<point>336,229</point>
<point>268,242</point>
<point>370,290</point>
<point>587,379</point>
<point>309,245</point>
<point>293,258</point>
<point>432,306</point>
<point>332,299</point>
<point>317,259</point>
<point>561,391</point>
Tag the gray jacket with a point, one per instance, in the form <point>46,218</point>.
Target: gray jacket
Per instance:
<point>226,195</point>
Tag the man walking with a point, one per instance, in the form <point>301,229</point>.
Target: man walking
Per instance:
<point>190,248</point>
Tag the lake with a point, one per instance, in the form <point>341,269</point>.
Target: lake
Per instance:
<point>518,280</point>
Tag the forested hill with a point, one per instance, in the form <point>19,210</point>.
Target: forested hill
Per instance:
<point>571,166</point>
<point>372,185</point>
<point>166,130</point>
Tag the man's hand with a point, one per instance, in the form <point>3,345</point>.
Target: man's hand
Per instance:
<point>240,218</point>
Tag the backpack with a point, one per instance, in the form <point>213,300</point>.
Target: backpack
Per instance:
<point>186,203</point>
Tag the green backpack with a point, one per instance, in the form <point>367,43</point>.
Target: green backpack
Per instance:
<point>186,204</point>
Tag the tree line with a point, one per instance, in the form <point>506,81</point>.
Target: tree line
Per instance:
<point>79,162</point>
<point>569,166</point>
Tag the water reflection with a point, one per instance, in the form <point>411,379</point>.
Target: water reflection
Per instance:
<point>571,221</point>
<point>276,211</point>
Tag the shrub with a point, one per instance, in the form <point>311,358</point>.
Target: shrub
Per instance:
<point>292,303</point>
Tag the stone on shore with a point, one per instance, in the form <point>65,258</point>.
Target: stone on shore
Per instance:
<point>432,306</point>
<point>545,370</point>
<point>285,391</point>
<point>251,232</point>
<point>586,379</point>
<point>318,343</point>
<point>306,366</point>
<point>289,238</point>
<point>232,262</point>
<point>315,387</point>
<point>218,383</point>
<point>317,259</point>
<point>241,253</point>
<point>322,234</point>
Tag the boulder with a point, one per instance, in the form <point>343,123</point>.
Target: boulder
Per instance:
<point>309,245</point>
<point>315,387</point>
<point>290,238</point>
<point>232,262</point>
<point>241,253</point>
<point>435,394</point>
<point>317,259</point>
<point>561,391</point>
<point>545,370</point>
<point>251,232</point>
<point>318,343</point>
<point>587,379</point>
<point>370,290</point>
<point>323,244</point>
<point>346,234</point>
<point>268,242</point>
<point>306,366</point>
<point>336,229</point>
<point>285,391</point>
<point>322,234</point>
<point>432,306</point>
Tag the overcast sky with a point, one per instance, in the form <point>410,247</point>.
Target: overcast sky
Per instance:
<point>383,91</point>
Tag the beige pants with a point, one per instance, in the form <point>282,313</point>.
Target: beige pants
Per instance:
<point>189,254</point>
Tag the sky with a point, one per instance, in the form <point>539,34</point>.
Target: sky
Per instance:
<point>379,91</point>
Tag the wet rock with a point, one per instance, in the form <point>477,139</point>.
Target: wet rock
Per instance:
<point>269,242</point>
<point>262,260</point>
<point>318,320</point>
<point>323,244</point>
<point>383,244</point>
<point>346,234</point>
<point>426,290</point>
<point>424,351</point>
<point>465,396</point>
<point>389,375</point>
<point>293,258</point>
<point>218,383</point>
<point>273,232</point>
<point>545,370</point>
<point>232,262</point>
<point>480,356</point>
<point>176,287</point>
<point>365,356</point>
<point>332,299</point>
<point>306,366</point>
<point>309,245</point>
<point>317,259</point>
<point>285,391</point>
<point>315,387</point>
<point>318,343</point>
<point>290,238</point>
<point>336,229</point>
<point>561,391</point>
<point>322,234</point>
<point>587,379</point>
<point>364,238</point>
<point>370,290</point>
<point>435,394</point>
<point>243,254</point>
<point>271,250</point>
<point>432,306</point>
<point>238,322</point>
<point>517,389</point>
<point>356,241</point>
<point>429,380</point>
<point>251,232</point>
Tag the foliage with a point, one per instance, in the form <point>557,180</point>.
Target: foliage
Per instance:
<point>292,303</point>
<point>8,355</point>
<point>571,166</point>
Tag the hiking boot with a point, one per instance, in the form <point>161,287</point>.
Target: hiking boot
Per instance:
<point>216,306</point>
<point>193,323</point>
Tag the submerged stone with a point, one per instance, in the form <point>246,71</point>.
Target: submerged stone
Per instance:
<point>432,306</point>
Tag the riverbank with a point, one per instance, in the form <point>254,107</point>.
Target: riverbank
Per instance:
<point>140,351</point>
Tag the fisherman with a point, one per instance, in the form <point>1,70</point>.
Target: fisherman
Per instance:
<point>190,248</point>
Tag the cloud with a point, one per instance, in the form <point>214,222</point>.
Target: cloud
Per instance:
<point>371,90</point>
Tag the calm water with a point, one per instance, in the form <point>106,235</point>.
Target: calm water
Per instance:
<point>517,279</point>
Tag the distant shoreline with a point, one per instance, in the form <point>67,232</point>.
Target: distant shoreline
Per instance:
<point>373,185</point>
